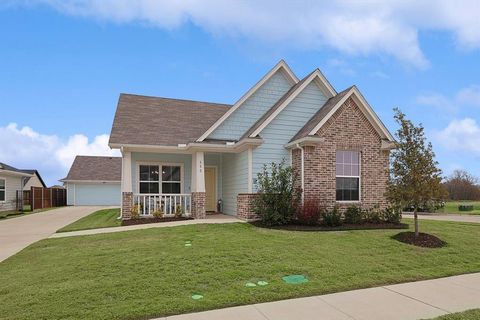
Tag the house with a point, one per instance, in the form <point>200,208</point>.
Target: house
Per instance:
<point>190,156</point>
<point>35,181</point>
<point>94,180</point>
<point>11,181</point>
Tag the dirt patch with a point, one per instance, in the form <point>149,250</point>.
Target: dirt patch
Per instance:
<point>132,222</point>
<point>423,240</point>
<point>343,227</point>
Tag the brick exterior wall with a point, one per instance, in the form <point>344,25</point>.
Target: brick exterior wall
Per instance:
<point>127,204</point>
<point>245,206</point>
<point>347,129</point>
<point>198,205</point>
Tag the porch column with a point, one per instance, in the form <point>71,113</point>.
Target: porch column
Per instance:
<point>198,186</point>
<point>126,185</point>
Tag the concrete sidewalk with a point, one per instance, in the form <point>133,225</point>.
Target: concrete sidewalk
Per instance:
<point>211,219</point>
<point>446,217</point>
<point>414,300</point>
<point>18,233</point>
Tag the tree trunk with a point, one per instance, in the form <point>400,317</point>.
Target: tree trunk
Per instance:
<point>415,217</point>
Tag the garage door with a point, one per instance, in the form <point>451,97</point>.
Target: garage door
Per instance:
<point>96,194</point>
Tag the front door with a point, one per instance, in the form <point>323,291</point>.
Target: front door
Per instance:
<point>210,189</point>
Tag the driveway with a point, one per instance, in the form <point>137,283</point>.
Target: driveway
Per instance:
<point>446,217</point>
<point>18,233</point>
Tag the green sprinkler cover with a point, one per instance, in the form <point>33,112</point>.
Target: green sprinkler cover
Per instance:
<point>250,284</point>
<point>295,279</point>
<point>197,296</point>
<point>262,283</point>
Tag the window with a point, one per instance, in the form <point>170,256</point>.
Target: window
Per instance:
<point>348,175</point>
<point>2,190</point>
<point>152,182</point>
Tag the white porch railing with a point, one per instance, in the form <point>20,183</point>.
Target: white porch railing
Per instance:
<point>168,203</point>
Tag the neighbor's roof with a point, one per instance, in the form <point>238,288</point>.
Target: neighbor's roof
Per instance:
<point>94,168</point>
<point>320,114</point>
<point>6,167</point>
<point>33,172</point>
<point>147,120</point>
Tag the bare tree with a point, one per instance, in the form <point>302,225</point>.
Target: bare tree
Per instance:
<point>462,185</point>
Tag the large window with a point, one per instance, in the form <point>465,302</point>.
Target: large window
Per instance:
<point>348,175</point>
<point>151,181</point>
<point>2,190</point>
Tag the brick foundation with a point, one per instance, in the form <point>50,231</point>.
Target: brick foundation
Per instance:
<point>347,129</point>
<point>198,205</point>
<point>245,206</point>
<point>127,204</point>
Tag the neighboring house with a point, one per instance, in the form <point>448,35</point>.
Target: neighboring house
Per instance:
<point>188,154</point>
<point>35,181</point>
<point>94,181</point>
<point>11,181</point>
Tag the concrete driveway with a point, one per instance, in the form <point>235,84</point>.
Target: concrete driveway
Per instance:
<point>18,233</point>
<point>446,217</point>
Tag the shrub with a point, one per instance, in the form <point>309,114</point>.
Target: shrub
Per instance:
<point>465,207</point>
<point>353,215</point>
<point>372,215</point>
<point>135,211</point>
<point>178,211</point>
<point>158,213</point>
<point>392,215</point>
<point>309,212</point>
<point>278,199</point>
<point>332,218</point>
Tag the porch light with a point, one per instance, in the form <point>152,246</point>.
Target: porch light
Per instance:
<point>182,145</point>
<point>230,143</point>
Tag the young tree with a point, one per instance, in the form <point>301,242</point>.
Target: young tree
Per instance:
<point>415,179</point>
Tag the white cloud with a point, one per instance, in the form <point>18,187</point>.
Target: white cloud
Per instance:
<point>351,27</point>
<point>460,135</point>
<point>469,96</point>
<point>27,149</point>
<point>436,100</point>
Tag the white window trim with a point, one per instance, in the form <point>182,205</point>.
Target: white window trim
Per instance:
<point>343,176</point>
<point>160,164</point>
<point>5,190</point>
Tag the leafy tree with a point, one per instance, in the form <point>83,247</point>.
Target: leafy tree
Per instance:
<point>278,198</point>
<point>415,179</point>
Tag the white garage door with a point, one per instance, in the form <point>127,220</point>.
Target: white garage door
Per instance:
<point>94,194</point>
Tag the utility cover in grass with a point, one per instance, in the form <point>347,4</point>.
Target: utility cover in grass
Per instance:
<point>262,283</point>
<point>197,296</point>
<point>250,284</point>
<point>188,243</point>
<point>295,279</point>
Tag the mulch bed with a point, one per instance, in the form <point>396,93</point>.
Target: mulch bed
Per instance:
<point>343,227</point>
<point>132,222</point>
<point>423,240</point>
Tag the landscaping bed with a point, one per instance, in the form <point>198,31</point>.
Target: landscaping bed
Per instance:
<point>361,226</point>
<point>423,239</point>
<point>132,222</point>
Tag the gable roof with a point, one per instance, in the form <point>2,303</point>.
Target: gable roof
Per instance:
<point>332,105</point>
<point>315,75</point>
<point>162,121</point>
<point>95,168</point>
<point>34,172</point>
<point>6,168</point>
<point>281,66</point>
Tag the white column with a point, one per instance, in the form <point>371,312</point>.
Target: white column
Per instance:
<point>126,171</point>
<point>198,174</point>
<point>250,170</point>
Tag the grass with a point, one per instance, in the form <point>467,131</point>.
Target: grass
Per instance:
<point>4,215</point>
<point>452,207</point>
<point>99,219</point>
<point>150,273</point>
<point>473,314</point>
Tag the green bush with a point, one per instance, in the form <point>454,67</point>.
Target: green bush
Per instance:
<point>372,215</point>
<point>465,207</point>
<point>353,215</point>
<point>392,215</point>
<point>332,218</point>
<point>278,198</point>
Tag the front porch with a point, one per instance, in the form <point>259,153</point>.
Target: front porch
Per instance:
<point>189,184</point>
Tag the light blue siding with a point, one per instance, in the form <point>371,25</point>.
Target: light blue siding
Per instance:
<point>70,189</point>
<point>253,108</point>
<point>89,194</point>
<point>283,127</point>
<point>235,180</point>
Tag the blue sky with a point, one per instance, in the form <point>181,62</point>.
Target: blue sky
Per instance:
<point>64,63</point>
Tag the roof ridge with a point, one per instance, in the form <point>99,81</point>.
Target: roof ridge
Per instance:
<point>177,99</point>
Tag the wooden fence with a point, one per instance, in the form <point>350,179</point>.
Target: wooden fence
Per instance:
<point>40,198</point>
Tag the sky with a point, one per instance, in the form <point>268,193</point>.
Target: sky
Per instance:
<point>64,63</point>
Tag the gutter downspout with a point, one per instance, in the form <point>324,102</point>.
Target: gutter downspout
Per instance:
<point>302,164</point>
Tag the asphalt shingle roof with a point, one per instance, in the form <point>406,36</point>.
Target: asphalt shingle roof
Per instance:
<point>94,168</point>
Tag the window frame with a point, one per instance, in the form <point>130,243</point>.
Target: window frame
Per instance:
<point>4,190</point>
<point>160,180</point>
<point>351,176</point>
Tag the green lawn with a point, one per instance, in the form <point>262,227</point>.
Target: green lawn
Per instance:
<point>99,219</point>
<point>15,214</point>
<point>452,207</point>
<point>150,273</point>
<point>467,315</point>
